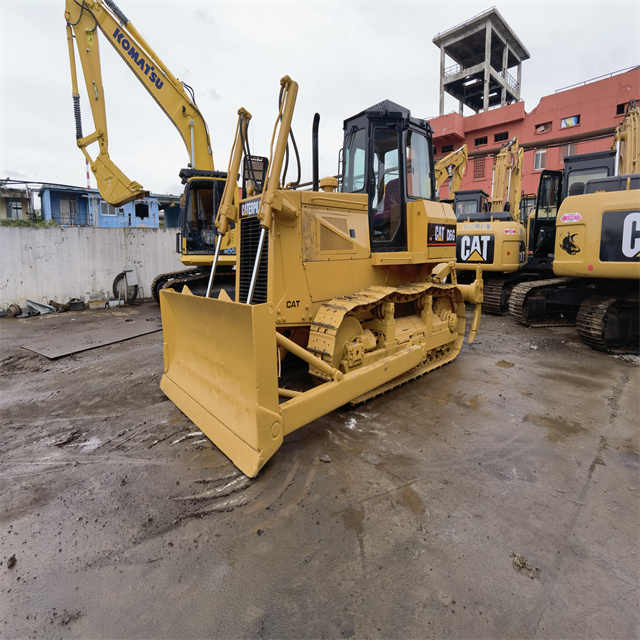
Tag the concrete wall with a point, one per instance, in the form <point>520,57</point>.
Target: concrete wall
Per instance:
<point>61,263</point>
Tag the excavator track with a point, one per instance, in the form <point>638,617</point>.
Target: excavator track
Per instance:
<point>591,323</point>
<point>162,278</point>
<point>518,301</point>
<point>328,319</point>
<point>496,295</point>
<point>192,277</point>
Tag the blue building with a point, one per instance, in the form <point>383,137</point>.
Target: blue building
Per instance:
<point>68,205</point>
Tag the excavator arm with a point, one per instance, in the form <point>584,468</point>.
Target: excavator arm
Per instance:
<point>452,167</point>
<point>84,19</point>
<point>626,141</point>
<point>507,179</point>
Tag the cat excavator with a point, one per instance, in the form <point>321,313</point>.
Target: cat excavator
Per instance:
<point>203,184</point>
<point>340,295</point>
<point>590,237</point>
<point>490,235</point>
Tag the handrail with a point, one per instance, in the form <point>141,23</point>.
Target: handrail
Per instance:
<point>596,78</point>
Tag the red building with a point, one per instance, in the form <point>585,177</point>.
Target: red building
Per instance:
<point>578,119</point>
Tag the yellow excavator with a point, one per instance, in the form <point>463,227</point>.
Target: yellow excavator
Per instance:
<point>490,235</point>
<point>203,184</point>
<point>590,236</point>
<point>340,295</point>
<point>451,167</point>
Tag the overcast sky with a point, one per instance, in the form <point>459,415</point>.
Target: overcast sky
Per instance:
<point>345,55</point>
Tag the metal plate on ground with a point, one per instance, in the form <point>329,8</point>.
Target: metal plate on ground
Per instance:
<point>64,342</point>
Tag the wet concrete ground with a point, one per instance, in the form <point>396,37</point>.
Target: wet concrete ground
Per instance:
<point>120,526</point>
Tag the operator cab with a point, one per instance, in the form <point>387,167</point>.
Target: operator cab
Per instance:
<point>468,204</point>
<point>389,156</point>
<point>198,207</point>
<point>579,172</point>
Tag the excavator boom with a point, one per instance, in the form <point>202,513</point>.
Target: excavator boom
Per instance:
<point>84,19</point>
<point>507,179</point>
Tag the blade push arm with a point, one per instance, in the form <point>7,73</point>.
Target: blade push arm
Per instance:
<point>84,19</point>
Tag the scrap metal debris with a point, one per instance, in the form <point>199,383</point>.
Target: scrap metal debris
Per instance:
<point>521,564</point>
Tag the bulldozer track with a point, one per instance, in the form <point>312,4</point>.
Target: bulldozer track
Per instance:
<point>518,300</point>
<point>495,291</point>
<point>328,319</point>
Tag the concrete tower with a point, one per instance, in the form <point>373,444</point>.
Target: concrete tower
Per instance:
<point>483,48</point>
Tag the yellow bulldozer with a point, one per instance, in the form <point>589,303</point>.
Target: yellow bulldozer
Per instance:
<point>340,295</point>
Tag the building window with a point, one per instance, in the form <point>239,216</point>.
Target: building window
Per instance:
<point>543,128</point>
<point>499,137</point>
<point>569,150</point>
<point>448,148</point>
<point>621,108</point>
<point>480,141</point>
<point>570,121</point>
<point>142,210</point>
<point>106,209</point>
<point>540,159</point>
<point>478,167</point>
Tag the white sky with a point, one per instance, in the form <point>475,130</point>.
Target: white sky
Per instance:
<point>345,55</point>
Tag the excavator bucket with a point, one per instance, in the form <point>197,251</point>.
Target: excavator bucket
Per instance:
<point>220,369</point>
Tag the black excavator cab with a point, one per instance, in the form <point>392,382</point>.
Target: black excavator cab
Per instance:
<point>388,155</point>
<point>470,203</point>
<point>578,173</point>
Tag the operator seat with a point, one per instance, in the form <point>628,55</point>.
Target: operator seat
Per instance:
<point>387,221</point>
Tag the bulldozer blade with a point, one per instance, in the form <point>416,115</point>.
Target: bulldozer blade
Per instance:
<point>220,370</point>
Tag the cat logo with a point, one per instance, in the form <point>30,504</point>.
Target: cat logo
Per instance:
<point>631,235</point>
<point>569,244</point>
<point>475,248</point>
<point>620,239</point>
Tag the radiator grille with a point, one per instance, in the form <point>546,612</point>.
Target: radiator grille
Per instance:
<point>249,237</point>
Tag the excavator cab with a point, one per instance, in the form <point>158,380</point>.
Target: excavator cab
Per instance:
<point>201,200</point>
<point>469,202</point>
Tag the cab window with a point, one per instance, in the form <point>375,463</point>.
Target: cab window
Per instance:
<point>386,199</point>
<point>355,153</point>
<point>418,169</point>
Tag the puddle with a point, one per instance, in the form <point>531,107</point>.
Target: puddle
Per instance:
<point>558,429</point>
<point>505,364</point>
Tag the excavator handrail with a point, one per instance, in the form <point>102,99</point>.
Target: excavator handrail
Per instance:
<point>84,18</point>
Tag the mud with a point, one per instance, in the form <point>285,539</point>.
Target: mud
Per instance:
<point>116,521</point>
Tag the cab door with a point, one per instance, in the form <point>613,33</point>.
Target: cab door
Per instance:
<point>387,220</point>
<point>543,229</point>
